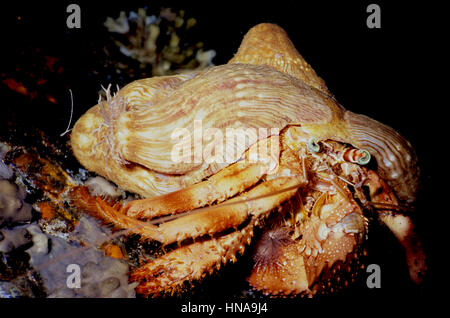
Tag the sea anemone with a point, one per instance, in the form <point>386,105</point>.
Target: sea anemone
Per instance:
<point>270,245</point>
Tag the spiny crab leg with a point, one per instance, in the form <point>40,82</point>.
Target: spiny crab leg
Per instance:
<point>219,187</point>
<point>212,220</point>
<point>167,273</point>
<point>222,217</point>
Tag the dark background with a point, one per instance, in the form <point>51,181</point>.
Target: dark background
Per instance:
<point>390,74</point>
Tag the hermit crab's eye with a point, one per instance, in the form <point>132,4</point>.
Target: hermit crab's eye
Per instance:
<point>364,157</point>
<point>313,146</point>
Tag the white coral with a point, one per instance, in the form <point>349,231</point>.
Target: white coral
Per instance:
<point>119,25</point>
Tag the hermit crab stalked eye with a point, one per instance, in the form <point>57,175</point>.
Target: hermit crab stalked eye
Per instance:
<point>364,157</point>
<point>313,146</point>
<point>359,156</point>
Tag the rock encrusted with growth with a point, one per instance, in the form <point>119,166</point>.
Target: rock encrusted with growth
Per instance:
<point>13,208</point>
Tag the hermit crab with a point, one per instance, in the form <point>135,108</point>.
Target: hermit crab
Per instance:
<point>296,164</point>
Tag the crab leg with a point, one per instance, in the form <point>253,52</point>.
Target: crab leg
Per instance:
<point>97,207</point>
<point>254,203</point>
<point>219,187</point>
<point>403,229</point>
<point>400,225</point>
<point>208,221</point>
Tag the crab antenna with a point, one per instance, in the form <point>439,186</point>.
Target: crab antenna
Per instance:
<point>389,206</point>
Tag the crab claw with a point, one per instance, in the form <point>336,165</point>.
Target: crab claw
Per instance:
<point>285,266</point>
<point>295,273</point>
<point>284,275</point>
